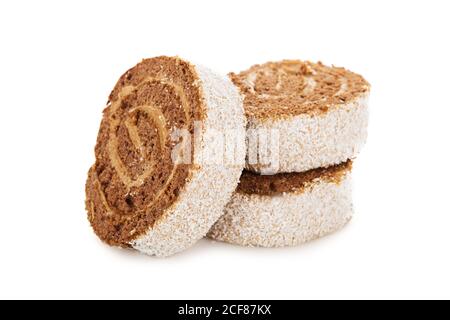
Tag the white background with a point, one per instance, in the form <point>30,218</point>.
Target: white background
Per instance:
<point>58,63</point>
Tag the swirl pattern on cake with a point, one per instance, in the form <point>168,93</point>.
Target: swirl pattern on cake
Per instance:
<point>135,178</point>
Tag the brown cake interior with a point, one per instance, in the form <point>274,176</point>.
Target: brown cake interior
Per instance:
<point>253,183</point>
<point>292,87</point>
<point>134,179</point>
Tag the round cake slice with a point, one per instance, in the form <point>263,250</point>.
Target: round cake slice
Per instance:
<point>302,115</point>
<point>286,209</point>
<point>159,181</point>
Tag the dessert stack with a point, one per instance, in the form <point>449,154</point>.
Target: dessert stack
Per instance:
<point>306,122</point>
<point>171,163</point>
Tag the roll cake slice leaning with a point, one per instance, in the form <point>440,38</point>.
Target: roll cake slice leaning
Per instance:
<point>302,115</point>
<point>286,209</point>
<point>160,181</point>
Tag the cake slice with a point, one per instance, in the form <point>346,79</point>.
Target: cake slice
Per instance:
<point>154,185</point>
<point>286,209</point>
<point>302,115</point>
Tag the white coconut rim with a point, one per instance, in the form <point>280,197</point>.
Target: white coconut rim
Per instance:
<point>288,219</point>
<point>201,202</point>
<point>305,142</point>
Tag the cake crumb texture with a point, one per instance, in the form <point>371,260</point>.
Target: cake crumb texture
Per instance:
<point>296,182</point>
<point>293,87</point>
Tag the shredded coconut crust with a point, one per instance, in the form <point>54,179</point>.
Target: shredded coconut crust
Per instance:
<point>288,219</point>
<point>201,202</point>
<point>312,141</point>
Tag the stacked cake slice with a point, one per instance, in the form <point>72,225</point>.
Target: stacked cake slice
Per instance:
<point>305,123</point>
